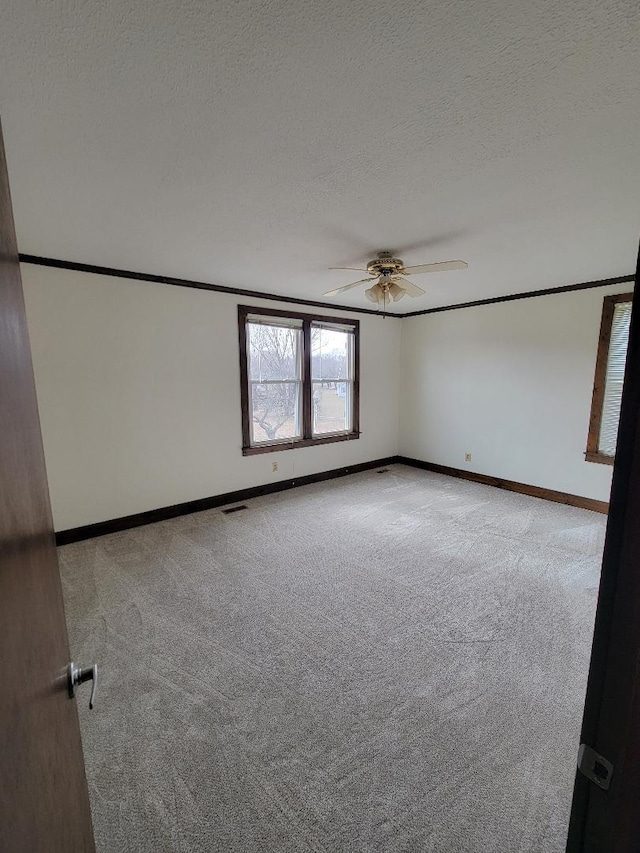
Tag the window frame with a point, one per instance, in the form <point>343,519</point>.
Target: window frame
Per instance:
<point>308,439</point>
<point>593,452</point>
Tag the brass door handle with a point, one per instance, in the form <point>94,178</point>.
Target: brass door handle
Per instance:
<point>78,675</point>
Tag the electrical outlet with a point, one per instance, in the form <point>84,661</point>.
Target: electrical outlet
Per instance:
<point>274,467</point>
<point>467,457</point>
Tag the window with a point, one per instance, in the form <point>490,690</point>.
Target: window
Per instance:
<point>609,378</point>
<point>300,382</point>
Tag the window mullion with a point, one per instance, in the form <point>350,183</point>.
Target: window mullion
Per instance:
<point>306,380</point>
<point>355,383</point>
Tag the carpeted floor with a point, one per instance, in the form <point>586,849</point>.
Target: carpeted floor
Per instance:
<point>386,662</point>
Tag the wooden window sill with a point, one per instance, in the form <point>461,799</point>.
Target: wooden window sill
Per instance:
<point>601,458</point>
<point>301,442</point>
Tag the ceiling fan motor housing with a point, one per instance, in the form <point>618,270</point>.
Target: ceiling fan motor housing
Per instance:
<point>385,264</point>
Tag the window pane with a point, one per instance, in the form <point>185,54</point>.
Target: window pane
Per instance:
<point>274,352</point>
<point>275,411</point>
<point>331,407</point>
<point>615,377</point>
<point>331,353</point>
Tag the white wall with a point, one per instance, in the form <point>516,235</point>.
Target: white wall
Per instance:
<point>139,394</point>
<point>510,383</point>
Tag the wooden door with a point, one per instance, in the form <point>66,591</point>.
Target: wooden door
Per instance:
<point>44,802</point>
<point>607,819</point>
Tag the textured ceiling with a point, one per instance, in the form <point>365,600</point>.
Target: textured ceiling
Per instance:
<point>255,144</point>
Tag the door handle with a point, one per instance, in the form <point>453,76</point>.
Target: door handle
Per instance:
<point>78,675</point>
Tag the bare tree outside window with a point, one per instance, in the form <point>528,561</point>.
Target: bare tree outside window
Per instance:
<point>274,370</point>
<point>331,372</point>
<point>299,379</point>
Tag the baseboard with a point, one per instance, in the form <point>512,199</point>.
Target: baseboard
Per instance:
<point>510,485</point>
<point>102,528</point>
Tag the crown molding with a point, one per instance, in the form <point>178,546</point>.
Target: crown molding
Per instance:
<point>529,294</point>
<point>293,300</point>
<point>92,269</point>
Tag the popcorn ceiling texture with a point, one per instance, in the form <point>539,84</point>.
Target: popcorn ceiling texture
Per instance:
<point>254,144</point>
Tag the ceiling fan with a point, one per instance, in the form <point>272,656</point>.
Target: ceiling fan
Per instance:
<point>392,278</point>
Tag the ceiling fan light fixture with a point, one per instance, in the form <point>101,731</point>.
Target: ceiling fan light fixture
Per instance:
<point>396,292</point>
<point>374,293</point>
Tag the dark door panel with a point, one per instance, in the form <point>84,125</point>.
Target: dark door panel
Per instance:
<point>607,820</point>
<point>44,800</point>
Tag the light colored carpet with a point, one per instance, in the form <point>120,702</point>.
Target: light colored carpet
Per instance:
<point>385,662</point>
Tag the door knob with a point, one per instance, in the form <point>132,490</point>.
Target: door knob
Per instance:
<point>78,675</point>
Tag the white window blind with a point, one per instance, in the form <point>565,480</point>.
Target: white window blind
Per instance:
<point>614,378</point>
<point>274,322</point>
<point>336,327</point>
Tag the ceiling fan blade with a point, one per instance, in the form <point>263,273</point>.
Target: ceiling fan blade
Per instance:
<point>346,287</point>
<point>357,269</point>
<point>441,267</point>
<point>410,288</point>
